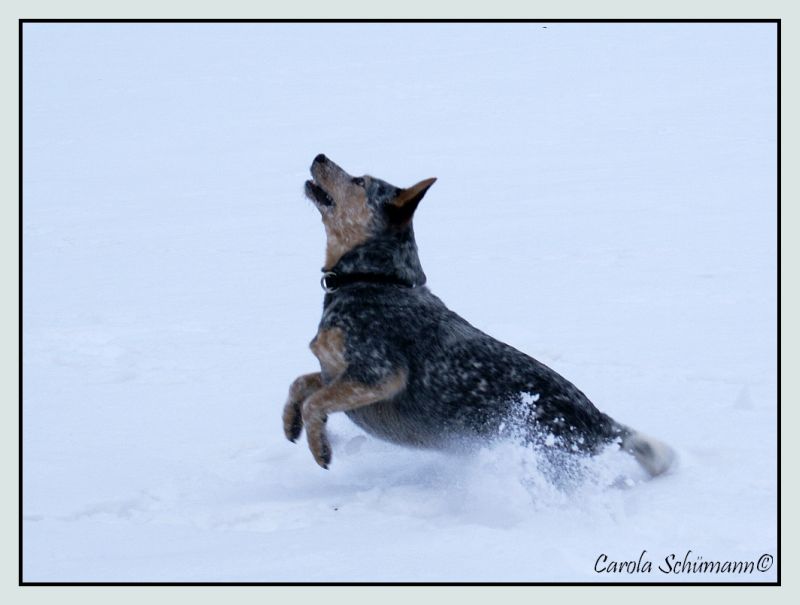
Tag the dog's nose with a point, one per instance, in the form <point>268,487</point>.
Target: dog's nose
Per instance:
<point>320,158</point>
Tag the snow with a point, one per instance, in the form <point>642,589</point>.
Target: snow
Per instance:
<point>605,202</point>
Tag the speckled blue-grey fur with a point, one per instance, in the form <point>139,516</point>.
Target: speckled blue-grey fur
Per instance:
<point>462,383</point>
<point>404,367</point>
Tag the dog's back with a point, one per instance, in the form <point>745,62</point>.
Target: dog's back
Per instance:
<point>462,383</point>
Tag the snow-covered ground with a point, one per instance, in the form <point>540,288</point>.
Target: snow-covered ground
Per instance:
<point>605,202</point>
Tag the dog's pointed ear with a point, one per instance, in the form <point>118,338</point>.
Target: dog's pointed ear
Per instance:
<point>402,207</point>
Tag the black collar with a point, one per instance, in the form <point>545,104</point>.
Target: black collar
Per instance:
<point>331,281</point>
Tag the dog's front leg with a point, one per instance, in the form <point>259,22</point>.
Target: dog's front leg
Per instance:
<point>302,388</point>
<point>341,396</point>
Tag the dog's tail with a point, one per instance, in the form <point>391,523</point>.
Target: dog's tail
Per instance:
<point>655,456</point>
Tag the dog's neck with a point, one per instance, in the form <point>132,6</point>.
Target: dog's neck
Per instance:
<point>391,255</point>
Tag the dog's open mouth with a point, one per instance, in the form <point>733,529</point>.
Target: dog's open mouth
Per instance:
<point>317,194</point>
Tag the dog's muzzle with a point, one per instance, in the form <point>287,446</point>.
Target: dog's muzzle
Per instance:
<point>318,194</point>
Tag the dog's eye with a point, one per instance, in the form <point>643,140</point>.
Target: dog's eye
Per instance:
<point>358,181</point>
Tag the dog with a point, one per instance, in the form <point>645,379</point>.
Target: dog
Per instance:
<point>407,369</point>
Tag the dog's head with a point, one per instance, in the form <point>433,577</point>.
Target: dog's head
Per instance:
<point>354,209</point>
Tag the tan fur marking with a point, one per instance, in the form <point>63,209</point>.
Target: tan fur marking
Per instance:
<point>349,221</point>
<point>347,224</point>
<point>407,195</point>
<point>305,385</point>
<point>329,348</point>
<point>340,397</point>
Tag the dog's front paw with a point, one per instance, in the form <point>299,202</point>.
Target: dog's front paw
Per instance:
<point>303,387</point>
<point>321,450</point>
<point>292,421</point>
<point>318,442</point>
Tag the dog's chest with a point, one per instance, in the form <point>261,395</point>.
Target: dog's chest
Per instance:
<point>329,348</point>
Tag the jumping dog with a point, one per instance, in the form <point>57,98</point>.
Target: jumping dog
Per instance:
<point>407,369</point>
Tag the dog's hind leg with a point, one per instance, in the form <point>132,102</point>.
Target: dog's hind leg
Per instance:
<point>655,456</point>
<point>341,396</point>
<point>302,388</point>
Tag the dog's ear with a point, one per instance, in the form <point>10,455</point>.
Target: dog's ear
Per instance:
<point>402,207</point>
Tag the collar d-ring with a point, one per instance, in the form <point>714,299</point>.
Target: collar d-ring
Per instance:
<point>328,281</point>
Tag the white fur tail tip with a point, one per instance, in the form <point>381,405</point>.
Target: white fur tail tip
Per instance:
<point>655,456</point>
